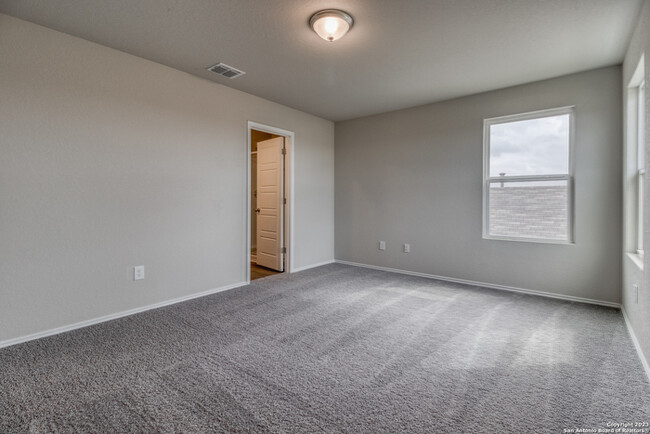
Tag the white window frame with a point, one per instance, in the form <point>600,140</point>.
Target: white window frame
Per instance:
<point>640,165</point>
<point>568,177</point>
<point>634,168</point>
<point>639,203</point>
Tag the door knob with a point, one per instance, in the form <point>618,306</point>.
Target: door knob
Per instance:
<point>257,210</point>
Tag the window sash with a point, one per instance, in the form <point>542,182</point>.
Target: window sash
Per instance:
<point>522,179</point>
<point>639,223</point>
<point>489,180</point>
<point>635,163</point>
<point>533,178</point>
<point>640,126</point>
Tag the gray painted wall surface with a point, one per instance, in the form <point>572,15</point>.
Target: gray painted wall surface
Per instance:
<point>415,176</point>
<point>109,161</point>
<point>638,313</point>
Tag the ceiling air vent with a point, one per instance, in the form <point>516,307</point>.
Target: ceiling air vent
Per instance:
<point>226,71</point>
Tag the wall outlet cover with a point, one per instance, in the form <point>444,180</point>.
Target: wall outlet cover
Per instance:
<point>138,272</point>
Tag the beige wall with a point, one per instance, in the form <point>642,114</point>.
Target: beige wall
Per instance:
<point>415,176</point>
<point>638,313</point>
<point>108,161</point>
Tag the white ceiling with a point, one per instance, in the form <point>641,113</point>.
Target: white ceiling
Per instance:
<point>400,53</point>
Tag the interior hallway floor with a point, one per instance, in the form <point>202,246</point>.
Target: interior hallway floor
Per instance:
<point>258,272</point>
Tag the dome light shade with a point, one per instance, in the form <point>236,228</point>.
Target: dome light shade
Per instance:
<point>331,24</point>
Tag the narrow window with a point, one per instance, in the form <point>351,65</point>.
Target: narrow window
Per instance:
<point>635,163</point>
<point>640,164</point>
<point>527,176</point>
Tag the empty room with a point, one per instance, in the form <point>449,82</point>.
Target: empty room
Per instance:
<point>419,216</point>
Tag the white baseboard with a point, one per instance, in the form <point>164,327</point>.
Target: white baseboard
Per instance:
<point>635,341</point>
<point>307,267</point>
<point>113,316</point>
<point>486,285</point>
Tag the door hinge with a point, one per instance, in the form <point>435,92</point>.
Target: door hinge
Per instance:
<point>284,250</point>
<point>284,201</point>
<point>284,151</point>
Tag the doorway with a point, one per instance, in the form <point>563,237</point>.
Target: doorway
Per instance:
<point>269,194</point>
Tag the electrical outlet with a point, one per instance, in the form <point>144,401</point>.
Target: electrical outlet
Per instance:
<point>636,293</point>
<point>407,248</point>
<point>138,272</point>
<point>382,245</point>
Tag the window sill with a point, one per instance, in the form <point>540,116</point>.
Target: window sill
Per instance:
<point>528,240</point>
<point>637,259</point>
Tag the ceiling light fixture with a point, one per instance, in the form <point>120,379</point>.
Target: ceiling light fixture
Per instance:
<point>331,24</point>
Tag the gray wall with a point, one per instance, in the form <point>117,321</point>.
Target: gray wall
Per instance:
<point>415,176</point>
<point>109,161</point>
<point>638,313</point>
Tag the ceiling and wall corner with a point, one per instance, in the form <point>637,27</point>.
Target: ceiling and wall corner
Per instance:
<point>637,308</point>
<point>432,198</point>
<point>111,161</point>
<point>397,55</point>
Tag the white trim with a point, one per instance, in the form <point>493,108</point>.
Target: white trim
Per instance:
<point>530,178</point>
<point>640,187</point>
<point>487,285</point>
<point>636,259</point>
<point>101,319</point>
<point>632,212</point>
<point>637,346</point>
<point>319,264</point>
<point>639,73</point>
<point>289,189</point>
<point>568,177</point>
<point>531,115</point>
<point>528,240</point>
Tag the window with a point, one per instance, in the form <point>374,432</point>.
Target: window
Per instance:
<point>635,163</point>
<point>640,165</point>
<point>528,176</point>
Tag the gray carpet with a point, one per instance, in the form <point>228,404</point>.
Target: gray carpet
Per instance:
<point>333,349</point>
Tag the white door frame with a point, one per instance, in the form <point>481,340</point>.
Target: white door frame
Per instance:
<point>288,193</point>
